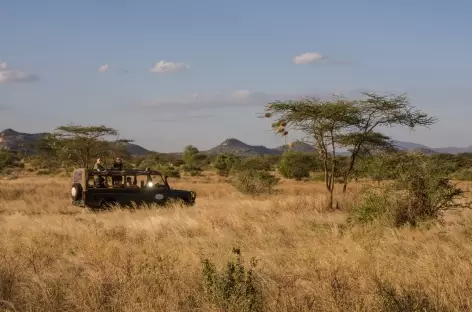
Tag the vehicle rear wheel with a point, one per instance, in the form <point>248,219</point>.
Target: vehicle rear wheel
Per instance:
<point>76,191</point>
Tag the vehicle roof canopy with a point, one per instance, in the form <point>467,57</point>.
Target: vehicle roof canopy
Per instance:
<point>126,172</point>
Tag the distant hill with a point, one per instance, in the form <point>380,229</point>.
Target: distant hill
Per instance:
<point>298,146</point>
<point>14,140</point>
<point>137,150</point>
<point>454,150</point>
<point>234,146</point>
<point>238,147</point>
<point>415,147</point>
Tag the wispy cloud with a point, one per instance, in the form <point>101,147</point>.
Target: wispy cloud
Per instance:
<point>10,76</point>
<point>103,68</point>
<point>164,66</point>
<point>308,57</point>
<point>240,98</point>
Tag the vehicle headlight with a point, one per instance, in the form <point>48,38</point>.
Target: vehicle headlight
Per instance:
<point>150,184</point>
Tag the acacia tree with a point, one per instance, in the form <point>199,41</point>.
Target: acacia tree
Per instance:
<point>84,143</point>
<point>344,123</point>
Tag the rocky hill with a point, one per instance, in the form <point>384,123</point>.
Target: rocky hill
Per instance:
<point>14,140</point>
<point>234,146</point>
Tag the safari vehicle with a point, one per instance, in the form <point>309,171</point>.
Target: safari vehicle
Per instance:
<point>92,188</point>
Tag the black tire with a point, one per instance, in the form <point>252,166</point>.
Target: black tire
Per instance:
<point>76,191</point>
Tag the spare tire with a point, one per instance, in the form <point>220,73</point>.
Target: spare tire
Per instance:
<point>76,191</point>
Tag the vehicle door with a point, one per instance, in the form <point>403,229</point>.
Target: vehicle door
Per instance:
<point>156,194</point>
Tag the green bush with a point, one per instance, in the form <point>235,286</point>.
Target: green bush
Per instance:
<point>8,159</point>
<point>254,182</point>
<point>168,170</point>
<point>260,163</point>
<point>420,192</point>
<point>192,171</point>
<point>224,163</point>
<point>296,165</point>
<point>234,289</point>
<point>373,206</point>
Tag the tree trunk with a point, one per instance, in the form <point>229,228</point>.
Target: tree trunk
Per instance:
<point>331,198</point>
<point>349,171</point>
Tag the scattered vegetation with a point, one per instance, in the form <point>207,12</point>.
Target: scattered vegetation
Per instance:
<point>58,258</point>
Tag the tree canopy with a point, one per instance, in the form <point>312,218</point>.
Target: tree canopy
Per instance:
<point>344,123</point>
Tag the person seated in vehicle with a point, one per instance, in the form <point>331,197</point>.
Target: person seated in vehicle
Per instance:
<point>117,165</point>
<point>101,183</point>
<point>97,166</point>
<point>117,181</point>
<point>131,184</point>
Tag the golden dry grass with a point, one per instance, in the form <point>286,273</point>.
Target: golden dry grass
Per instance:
<point>56,257</point>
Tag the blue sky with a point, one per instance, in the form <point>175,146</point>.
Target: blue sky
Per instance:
<point>225,60</point>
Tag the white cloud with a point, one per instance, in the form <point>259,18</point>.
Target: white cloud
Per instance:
<point>241,94</point>
<point>308,57</point>
<point>9,75</point>
<point>168,67</point>
<point>103,68</point>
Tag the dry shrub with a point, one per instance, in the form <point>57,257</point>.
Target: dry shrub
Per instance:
<point>421,192</point>
<point>254,182</point>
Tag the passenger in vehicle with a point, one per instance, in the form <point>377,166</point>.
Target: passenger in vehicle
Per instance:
<point>117,165</point>
<point>98,165</point>
<point>102,183</point>
<point>131,184</point>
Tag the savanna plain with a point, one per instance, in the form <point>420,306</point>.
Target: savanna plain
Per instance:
<point>229,252</point>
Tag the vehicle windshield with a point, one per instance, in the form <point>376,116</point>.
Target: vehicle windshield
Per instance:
<point>155,180</point>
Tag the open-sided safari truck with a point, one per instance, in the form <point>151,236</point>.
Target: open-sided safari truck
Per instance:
<point>99,189</point>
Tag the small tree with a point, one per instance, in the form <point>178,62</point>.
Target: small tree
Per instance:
<point>296,165</point>
<point>224,163</point>
<point>7,159</point>
<point>343,123</point>
<point>193,160</point>
<point>84,143</point>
